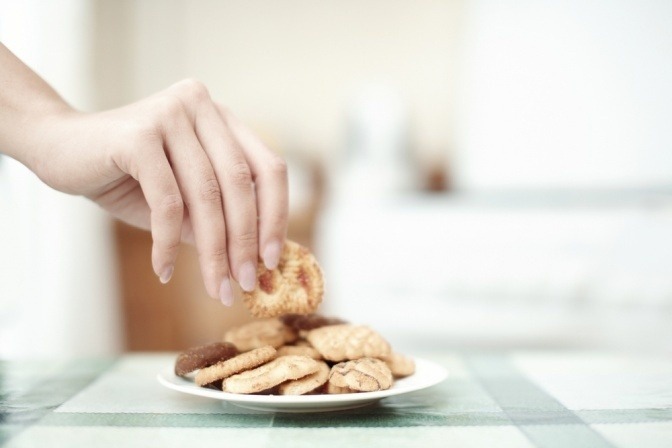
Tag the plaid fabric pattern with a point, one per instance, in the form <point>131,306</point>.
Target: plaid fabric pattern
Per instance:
<point>528,399</point>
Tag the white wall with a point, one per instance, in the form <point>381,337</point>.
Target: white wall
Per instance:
<point>565,94</point>
<point>57,277</point>
<point>507,272</point>
<point>290,68</point>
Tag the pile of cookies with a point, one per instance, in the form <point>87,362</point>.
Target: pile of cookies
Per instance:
<point>292,351</point>
<point>296,354</point>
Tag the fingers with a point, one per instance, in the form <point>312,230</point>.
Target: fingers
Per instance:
<point>215,183</point>
<point>235,179</point>
<point>202,195</point>
<point>270,176</point>
<point>163,196</point>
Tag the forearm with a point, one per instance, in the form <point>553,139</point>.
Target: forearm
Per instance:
<point>27,103</point>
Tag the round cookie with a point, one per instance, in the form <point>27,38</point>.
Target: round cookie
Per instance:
<point>244,361</point>
<point>270,374</point>
<point>260,333</point>
<point>364,375</point>
<point>203,356</point>
<point>306,384</point>
<point>331,389</point>
<point>400,365</point>
<point>295,286</point>
<point>346,341</point>
<point>299,350</point>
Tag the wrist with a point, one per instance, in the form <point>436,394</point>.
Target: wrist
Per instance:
<point>47,152</point>
<point>45,133</point>
<point>26,134</point>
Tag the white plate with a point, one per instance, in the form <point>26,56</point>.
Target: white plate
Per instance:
<point>427,374</point>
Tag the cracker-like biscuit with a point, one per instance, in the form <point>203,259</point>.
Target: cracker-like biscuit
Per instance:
<point>364,375</point>
<point>244,361</point>
<point>260,333</point>
<point>400,365</point>
<point>295,286</point>
<point>203,356</point>
<point>300,350</point>
<point>271,374</point>
<point>306,384</point>
<point>346,341</point>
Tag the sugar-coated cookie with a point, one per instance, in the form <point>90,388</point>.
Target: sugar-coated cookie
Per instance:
<point>331,389</point>
<point>364,375</point>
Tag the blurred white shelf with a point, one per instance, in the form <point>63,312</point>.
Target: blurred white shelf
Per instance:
<point>559,269</point>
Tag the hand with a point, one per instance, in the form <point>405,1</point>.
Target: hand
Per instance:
<point>180,164</point>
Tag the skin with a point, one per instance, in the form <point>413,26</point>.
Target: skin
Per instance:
<point>176,163</point>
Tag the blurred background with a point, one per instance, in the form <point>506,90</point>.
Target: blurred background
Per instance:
<point>470,173</point>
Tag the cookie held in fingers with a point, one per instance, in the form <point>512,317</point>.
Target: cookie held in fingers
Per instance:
<point>203,356</point>
<point>346,341</point>
<point>271,374</point>
<point>306,384</point>
<point>363,375</point>
<point>260,333</point>
<point>295,286</point>
<point>244,361</point>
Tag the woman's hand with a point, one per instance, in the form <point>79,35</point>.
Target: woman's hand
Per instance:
<point>180,164</point>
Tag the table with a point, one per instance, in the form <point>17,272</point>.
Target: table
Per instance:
<point>514,399</point>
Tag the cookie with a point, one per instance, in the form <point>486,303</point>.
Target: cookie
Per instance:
<point>299,350</point>
<point>400,365</point>
<point>244,361</point>
<point>270,374</point>
<point>301,322</point>
<point>259,334</point>
<point>306,384</point>
<point>331,389</point>
<point>344,342</point>
<point>295,286</point>
<point>217,385</point>
<point>364,375</point>
<point>197,358</point>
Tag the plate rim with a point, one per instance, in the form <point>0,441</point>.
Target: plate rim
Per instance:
<point>436,373</point>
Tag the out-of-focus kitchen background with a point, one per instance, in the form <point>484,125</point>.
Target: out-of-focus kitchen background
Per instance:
<point>470,173</point>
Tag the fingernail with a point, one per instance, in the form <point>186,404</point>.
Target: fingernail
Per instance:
<point>247,276</point>
<point>167,274</point>
<point>272,254</point>
<point>225,292</point>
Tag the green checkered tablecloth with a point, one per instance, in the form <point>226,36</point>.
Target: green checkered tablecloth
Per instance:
<point>526,399</point>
